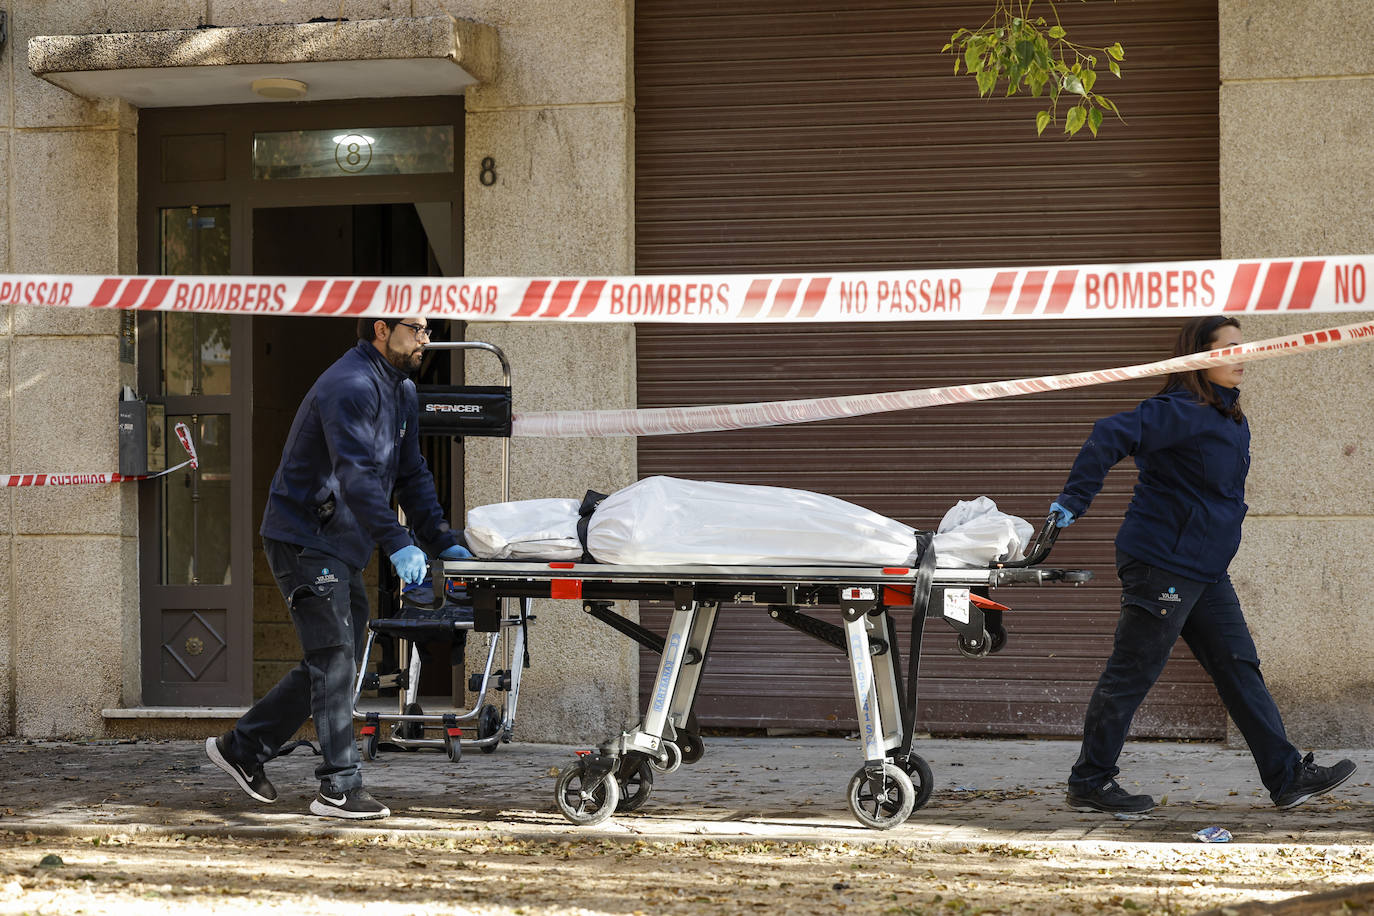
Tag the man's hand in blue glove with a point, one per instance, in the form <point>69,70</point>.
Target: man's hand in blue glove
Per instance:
<point>456,552</point>
<point>1063,517</point>
<point>411,563</point>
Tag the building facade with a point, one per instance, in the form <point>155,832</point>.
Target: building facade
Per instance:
<point>611,138</point>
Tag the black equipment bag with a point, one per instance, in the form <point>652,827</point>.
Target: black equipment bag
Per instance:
<point>465,410</point>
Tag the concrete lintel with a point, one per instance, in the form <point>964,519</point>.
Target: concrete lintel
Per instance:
<point>370,58</point>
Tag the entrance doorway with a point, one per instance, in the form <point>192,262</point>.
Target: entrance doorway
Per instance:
<point>290,352</point>
<point>249,190</point>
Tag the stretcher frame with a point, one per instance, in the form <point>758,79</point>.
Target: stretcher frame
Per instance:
<point>893,780</point>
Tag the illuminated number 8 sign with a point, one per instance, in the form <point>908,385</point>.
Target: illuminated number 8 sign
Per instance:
<point>353,152</point>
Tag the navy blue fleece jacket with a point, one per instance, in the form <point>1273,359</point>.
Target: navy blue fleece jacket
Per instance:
<point>353,442</point>
<point>1189,501</point>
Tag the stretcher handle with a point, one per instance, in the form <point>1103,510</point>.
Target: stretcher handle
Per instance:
<point>439,589</point>
<point>1039,549</point>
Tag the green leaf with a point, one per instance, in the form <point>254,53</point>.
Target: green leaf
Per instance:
<point>972,55</point>
<point>1042,120</point>
<point>956,66</point>
<point>1116,70</point>
<point>1015,74</point>
<point>1117,52</point>
<point>1036,79</point>
<point>986,80</point>
<point>1089,78</point>
<point>1074,122</point>
<point>1094,120</point>
<point>1057,31</point>
<point>1074,84</point>
<point>1025,51</point>
<point>947,47</point>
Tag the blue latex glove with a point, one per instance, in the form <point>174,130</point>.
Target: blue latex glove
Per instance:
<point>1063,517</point>
<point>456,552</point>
<point>411,563</point>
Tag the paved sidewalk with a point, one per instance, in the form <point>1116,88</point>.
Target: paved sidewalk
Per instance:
<point>986,792</point>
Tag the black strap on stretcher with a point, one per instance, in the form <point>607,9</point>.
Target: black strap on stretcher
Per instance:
<point>920,602</point>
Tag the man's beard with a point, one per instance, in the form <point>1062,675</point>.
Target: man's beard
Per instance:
<point>402,360</point>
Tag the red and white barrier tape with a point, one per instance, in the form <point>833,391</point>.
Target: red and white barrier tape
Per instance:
<point>69,480</point>
<point>677,420</point>
<point>1177,288</point>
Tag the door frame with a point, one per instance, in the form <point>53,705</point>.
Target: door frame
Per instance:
<point>236,188</point>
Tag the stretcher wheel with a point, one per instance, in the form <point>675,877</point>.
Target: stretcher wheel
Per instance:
<point>583,799</point>
<point>922,779</point>
<point>691,746</point>
<point>488,724</point>
<point>975,648</point>
<point>882,802</point>
<point>636,779</point>
<point>674,758</point>
<point>999,640</point>
<point>412,731</point>
<point>453,747</point>
<point>370,746</point>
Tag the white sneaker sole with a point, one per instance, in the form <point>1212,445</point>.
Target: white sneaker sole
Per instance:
<point>324,810</point>
<point>212,751</point>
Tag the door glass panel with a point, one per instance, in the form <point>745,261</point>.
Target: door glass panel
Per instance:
<point>195,523</point>
<point>195,240</point>
<point>195,354</point>
<point>195,347</point>
<point>345,152</point>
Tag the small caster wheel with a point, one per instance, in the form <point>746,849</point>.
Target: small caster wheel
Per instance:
<point>674,758</point>
<point>922,780</point>
<point>370,746</point>
<point>999,640</point>
<point>488,724</point>
<point>411,731</point>
<point>882,802</point>
<point>453,746</point>
<point>583,799</point>
<point>636,779</point>
<point>975,648</point>
<point>691,746</point>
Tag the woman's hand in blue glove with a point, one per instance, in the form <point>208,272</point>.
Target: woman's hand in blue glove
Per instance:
<point>411,563</point>
<point>456,552</point>
<point>1063,518</point>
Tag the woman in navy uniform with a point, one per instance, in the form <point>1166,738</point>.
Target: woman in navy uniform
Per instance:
<point>1191,443</point>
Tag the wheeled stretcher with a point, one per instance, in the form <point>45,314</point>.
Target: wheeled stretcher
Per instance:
<point>893,780</point>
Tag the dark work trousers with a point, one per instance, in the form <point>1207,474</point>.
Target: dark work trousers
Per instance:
<point>329,608</point>
<point>1157,607</point>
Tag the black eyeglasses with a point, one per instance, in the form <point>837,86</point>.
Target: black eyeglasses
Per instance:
<point>419,329</point>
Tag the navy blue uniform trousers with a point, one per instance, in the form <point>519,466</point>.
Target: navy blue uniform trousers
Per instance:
<point>328,605</point>
<point>1157,607</point>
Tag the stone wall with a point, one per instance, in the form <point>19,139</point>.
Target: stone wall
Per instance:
<point>558,124</point>
<point>1297,147</point>
<point>69,601</point>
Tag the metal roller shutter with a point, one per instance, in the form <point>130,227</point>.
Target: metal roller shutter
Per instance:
<point>814,135</point>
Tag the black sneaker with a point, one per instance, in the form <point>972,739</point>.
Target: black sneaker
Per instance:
<point>1313,780</point>
<point>354,804</point>
<point>1111,799</point>
<point>255,783</point>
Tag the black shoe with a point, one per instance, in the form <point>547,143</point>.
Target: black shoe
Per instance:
<point>253,782</point>
<point>354,804</point>
<point>1313,780</point>
<point>1109,798</point>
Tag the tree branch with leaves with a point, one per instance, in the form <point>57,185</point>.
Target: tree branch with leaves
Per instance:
<point>1024,51</point>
